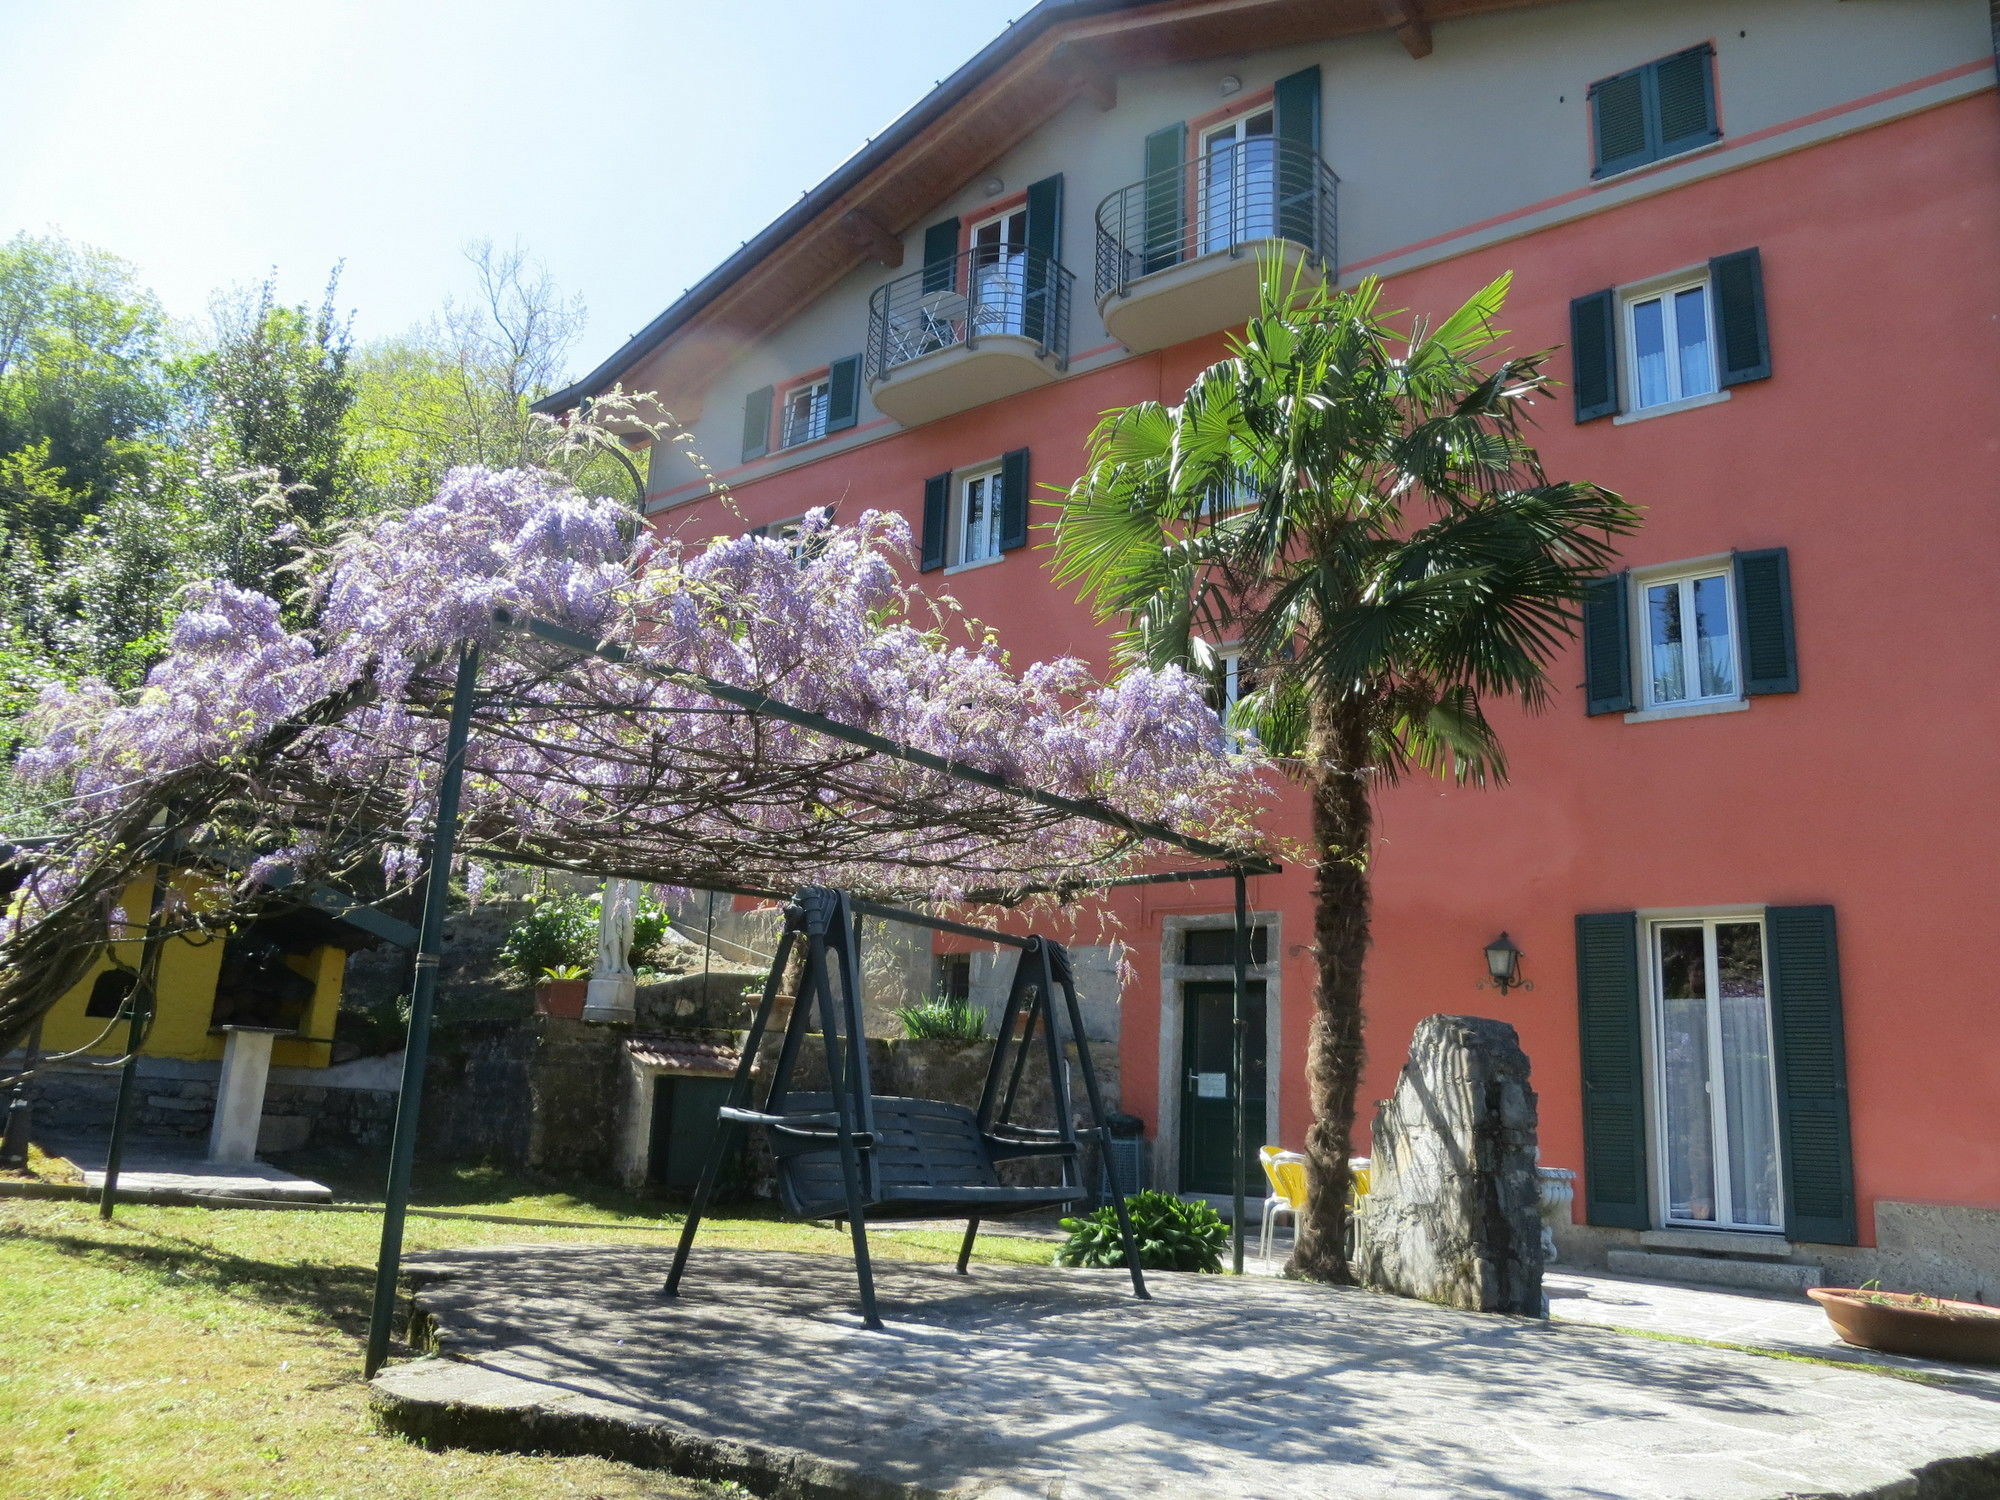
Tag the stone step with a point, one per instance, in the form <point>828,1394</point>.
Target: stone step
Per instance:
<point>1704,1270</point>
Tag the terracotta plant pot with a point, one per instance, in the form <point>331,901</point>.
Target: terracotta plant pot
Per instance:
<point>1938,1329</point>
<point>561,997</point>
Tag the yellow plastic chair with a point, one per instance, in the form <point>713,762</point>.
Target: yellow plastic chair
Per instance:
<point>1285,1171</point>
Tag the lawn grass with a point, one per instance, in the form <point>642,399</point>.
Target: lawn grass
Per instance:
<point>195,1352</point>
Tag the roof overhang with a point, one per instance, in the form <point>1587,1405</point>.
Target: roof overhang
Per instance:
<point>1060,51</point>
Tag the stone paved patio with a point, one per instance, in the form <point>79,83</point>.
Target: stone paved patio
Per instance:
<point>154,1166</point>
<point>1021,1382</point>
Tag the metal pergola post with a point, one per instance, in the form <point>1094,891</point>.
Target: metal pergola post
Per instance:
<point>140,1012</point>
<point>423,1001</point>
<point>1239,1027</point>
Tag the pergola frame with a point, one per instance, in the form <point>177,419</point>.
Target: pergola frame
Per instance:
<point>1231,865</point>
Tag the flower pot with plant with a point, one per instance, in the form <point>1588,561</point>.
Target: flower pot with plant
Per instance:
<point>561,991</point>
<point>1911,1323</point>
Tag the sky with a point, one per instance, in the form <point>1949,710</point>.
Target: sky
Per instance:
<point>630,145</point>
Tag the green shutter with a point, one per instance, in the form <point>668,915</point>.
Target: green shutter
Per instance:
<point>1593,352</point>
<point>1607,646</point>
<point>1615,1190</point>
<point>1618,123</point>
<point>1810,1051</point>
<point>1166,199</point>
<point>1738,282</point>
<point>1045,200</point>
<point>937,518</point>
<point>1684,97</point>
<point>1764,636</point>
<point>843,393</point>
<point>941,256</point>
<point>757,423</point>
<point>1295,105</point>
<point>1014,500</point>
<point>1659,110</point>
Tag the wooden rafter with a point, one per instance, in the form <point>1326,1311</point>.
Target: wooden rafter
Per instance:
<point>1412,30</point>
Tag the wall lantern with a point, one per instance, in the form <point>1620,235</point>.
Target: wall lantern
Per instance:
<point>1503,966</point>
<point>1230,84</point>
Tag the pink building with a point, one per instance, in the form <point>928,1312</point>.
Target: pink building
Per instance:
<point>1743,854</point>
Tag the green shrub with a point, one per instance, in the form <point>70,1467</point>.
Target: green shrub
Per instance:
<point>560,932</point>
<point>1174,1234</point>
<point>560,929</point>
<point>943,1021</point>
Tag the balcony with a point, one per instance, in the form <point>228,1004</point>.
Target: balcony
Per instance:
<point>1178,252</point>
<point>989,322</point>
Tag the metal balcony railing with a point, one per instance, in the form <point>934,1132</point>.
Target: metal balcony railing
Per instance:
<point>1257,189</point>
<point>955,302</point>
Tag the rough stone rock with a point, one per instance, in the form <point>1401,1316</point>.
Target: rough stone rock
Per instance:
<point>1453,1211</point>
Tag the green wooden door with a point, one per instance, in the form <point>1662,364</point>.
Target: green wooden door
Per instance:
<point>683,1126</point>
<point>1208,1109</point>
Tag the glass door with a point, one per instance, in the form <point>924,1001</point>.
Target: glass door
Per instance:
<point>1713,1080</point>
<point>1239,192</point>
<point>1000,273</point>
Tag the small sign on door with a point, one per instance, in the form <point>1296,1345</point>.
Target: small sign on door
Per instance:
<point>1211,1085</point>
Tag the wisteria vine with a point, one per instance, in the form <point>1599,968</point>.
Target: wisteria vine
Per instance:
<point>254,745</point>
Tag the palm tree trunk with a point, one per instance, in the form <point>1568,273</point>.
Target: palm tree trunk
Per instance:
<point>1342,830</point>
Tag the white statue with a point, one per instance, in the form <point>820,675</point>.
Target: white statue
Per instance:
<point>614,990</point>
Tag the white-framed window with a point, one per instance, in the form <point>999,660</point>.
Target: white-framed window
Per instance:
<point>976,507</point>
<point>805,413</point>
<point>1714,1084</point>
<point>1687,636</point>
<point>785,533</point>
<point>1669,341</point>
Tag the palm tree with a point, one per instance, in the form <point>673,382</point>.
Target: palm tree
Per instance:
<point>1357,510</point>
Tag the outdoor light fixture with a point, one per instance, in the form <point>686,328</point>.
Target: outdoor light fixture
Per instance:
<point>1230,84</point>
<point>992,186</point>
<point>1503,966</point>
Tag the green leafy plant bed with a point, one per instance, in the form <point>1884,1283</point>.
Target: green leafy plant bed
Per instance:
<point>1910,1323</point>
<point>1174,1234</point>
<point>943,1021</point>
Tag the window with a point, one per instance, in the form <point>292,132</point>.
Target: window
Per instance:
<point>1689,639</point>
<point>975,515</point>
<point>976,525</point>
<point>1714,1083</point>
<point>1685,336</point>
<point>806,412</point>
<point>951,977</point>
<point>1215,947</point>
<point>1654,112</point>
<point>1670,345</point>
<point>108,995</point>
<point>786,534</point>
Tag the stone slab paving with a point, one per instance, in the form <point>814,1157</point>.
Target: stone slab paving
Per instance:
<point>1790,1324</point>
<point>149,1166</point>
<point>1019,1382</point>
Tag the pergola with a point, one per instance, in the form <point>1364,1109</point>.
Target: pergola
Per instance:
<point>465,705</point>
<point>505,674</point>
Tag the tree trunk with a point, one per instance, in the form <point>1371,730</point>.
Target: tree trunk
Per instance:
<point>1342,831</point>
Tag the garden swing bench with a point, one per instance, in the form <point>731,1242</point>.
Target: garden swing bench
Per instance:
<point>847,1153</point>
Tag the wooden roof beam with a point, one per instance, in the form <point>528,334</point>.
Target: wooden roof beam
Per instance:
<point>1097,83</point>
<point>866,234</point>
<point>1412,30</point>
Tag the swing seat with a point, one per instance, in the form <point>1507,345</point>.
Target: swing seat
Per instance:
<point>923,1159</point>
